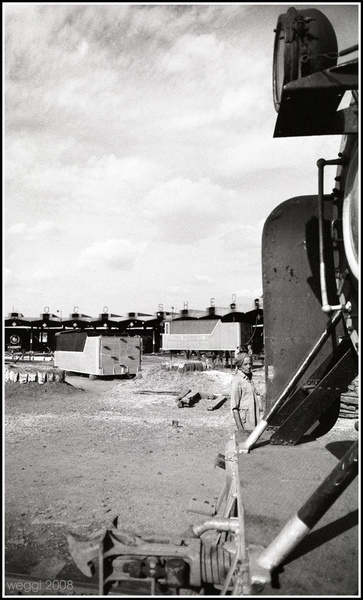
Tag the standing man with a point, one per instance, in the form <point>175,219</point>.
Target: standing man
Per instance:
<point>250,353</point>
<point>244,402</point>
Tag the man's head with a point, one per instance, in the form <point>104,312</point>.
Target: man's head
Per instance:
<point>243,362</point>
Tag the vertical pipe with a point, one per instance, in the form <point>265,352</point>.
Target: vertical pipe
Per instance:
<point>242,584</point>
<point>101,574</point>
<point>321,163</point>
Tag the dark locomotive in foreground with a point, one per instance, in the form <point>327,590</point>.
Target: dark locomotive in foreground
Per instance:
<point>310,256</point>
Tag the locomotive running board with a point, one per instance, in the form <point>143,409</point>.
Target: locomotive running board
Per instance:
<point>307,411</point>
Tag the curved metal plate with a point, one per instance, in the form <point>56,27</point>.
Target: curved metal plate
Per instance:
<point>293,319</point>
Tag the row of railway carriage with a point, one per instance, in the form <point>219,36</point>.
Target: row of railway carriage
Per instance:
<point>212,331</point>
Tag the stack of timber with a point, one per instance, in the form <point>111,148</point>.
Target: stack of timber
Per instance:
<point>184,367</point>
<point>31,373</point>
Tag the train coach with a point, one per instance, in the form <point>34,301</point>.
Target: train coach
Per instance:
<point>215,333</point>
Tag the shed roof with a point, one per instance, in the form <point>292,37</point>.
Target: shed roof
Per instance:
<point>235,315</point>
<point>104,321</point>
<point>19,321</point>
<point>77,322</point>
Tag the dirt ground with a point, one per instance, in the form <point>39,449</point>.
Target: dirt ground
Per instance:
<point>81,453</point>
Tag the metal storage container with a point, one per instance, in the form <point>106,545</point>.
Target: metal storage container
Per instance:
<point>97,355</point>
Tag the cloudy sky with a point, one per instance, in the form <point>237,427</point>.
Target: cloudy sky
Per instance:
<point>140,163</point>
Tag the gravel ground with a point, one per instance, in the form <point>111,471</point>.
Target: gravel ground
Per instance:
<point>81,453</point>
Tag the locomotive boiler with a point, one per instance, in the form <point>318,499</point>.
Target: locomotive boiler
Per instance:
<point>310,251</point>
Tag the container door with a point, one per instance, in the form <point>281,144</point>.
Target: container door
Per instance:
<point>110,354</point>
<point>130,354</point>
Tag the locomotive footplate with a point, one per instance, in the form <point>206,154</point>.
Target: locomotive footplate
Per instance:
<point>300,514</point>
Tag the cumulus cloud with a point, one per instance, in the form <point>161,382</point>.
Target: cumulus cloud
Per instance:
<point>43,275</point>
<point>31,231</point>
<point>7,275</point>
<point>119,254</point>
<point>18,228</point>
<point>43,226</point>
<point>194,119</point>
<point>191,52</point>
<point>240,237</point>
<point>145,122</point>
<point>103,184</point>
<point>186,211</point>
<point>202,279</point>
<point>241,103</point>
<point>83,48</point>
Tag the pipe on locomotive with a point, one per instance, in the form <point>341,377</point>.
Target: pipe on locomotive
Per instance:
<point>321,163</point>
<point>216,523</point>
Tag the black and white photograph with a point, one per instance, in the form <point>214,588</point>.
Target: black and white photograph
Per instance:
<point>181,292</point>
